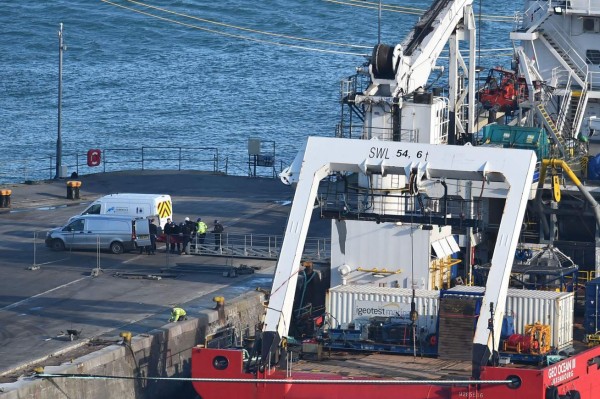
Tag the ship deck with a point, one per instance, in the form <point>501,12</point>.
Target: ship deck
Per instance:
<point>380,365</point>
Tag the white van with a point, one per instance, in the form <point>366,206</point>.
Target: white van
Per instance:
<point>137,205</point>
<point>114,233</point>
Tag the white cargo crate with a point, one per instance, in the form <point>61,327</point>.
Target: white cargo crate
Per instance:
<point>350,303</point>
<point>547,307</point>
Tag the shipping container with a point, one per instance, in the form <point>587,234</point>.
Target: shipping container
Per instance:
<point>349,305</point>
<point>591,321</point>
<point>352,305</point>
<point>529,306</point>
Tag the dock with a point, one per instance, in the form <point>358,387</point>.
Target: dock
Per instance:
<point>100,295</point>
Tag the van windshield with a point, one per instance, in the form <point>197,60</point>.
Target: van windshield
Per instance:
<point>92,210</point>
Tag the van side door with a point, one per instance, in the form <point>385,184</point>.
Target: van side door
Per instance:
<point>142,232</point>
<point>95,233</point>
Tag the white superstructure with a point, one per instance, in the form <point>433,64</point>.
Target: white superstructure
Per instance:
<point>560,40</point>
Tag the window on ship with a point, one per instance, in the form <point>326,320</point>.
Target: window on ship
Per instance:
<point>592,57</point>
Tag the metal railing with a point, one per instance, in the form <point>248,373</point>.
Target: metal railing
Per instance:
<point>400,206</point>
<point>259,246</point>
<point>594,81</point>
<point>206,159</point>
<point>587,6</point>
<point>202,158</point>
<point>537,13</point>
<point>562,40</point>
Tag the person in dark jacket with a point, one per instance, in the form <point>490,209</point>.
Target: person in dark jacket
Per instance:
<point>188,229</point>
<point>171,233</point>
<point>218,232</point>
<point>153,234</point>
<point>178,234</point>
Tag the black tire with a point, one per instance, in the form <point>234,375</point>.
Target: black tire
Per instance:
<point>58,245</point>
<point>573,395</point>
<point>551,392</point>
<point>117,247</point>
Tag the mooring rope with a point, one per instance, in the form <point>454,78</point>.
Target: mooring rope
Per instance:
<point>280,380</point>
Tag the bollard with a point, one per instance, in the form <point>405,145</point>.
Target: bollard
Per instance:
<point>76,190</point>
<point>70,190</point>
<point>220,308</point>
<point>73,189</point>
<point>5,198</point>
<point>126,335</point>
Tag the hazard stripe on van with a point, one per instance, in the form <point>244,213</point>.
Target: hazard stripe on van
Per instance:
<point>164,209</point>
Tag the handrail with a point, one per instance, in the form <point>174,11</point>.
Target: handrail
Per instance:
<point>206,159</point>
<point>530,13</point>
<point>588,7</point>
<point>594,81</point>
<point>569,49</point>
<point>159,158</point>
<point>581,105</point>
<point>261,246</point>
<point>564,106</point>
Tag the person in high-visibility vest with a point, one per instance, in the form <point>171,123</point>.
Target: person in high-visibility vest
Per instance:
<point>201,230</point>
<point>178,314</point>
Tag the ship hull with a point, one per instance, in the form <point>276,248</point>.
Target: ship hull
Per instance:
<point>219,373</point>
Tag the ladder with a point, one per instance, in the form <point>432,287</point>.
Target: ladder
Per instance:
<point>551,128</point>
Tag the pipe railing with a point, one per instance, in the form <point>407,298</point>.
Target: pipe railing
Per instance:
<point>569,48</point>
<point>206,159</point>
<point>260,246</point>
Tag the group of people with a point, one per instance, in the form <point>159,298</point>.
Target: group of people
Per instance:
<point>179,236</point>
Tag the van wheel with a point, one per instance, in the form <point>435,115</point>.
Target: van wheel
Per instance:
<point>116,248</point>
<point>58,245</point>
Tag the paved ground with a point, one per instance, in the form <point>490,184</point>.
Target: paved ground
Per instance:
<point>36,305</point>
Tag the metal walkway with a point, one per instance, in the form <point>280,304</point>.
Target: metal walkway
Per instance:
<point>257,246</point>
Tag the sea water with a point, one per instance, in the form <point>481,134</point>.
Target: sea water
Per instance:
<point>191,74</point>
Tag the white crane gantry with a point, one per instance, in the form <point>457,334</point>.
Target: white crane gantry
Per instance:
<point>323,156</point>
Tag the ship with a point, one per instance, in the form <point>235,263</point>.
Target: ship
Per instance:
<point>464,228</point>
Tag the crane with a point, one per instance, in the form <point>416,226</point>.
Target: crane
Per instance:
<point>403,70</point>
<point>323,156</point>
<point>407,66</point>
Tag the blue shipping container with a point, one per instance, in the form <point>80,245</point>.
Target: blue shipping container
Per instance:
<point>591,321</point>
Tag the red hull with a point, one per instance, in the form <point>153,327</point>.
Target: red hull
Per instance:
<point>579,373</point>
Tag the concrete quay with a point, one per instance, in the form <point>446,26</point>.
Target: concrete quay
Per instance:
<point>38,304</point>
